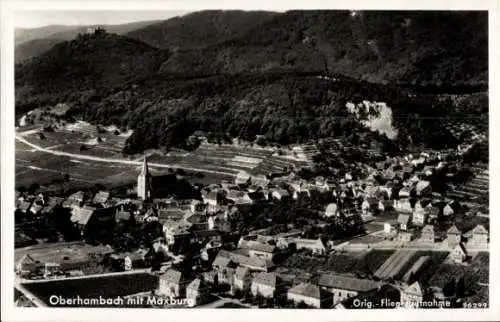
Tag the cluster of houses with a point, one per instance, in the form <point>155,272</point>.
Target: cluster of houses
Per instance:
<point>399,185</point>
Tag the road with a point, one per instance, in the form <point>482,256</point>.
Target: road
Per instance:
<point>221,301</point>
<point>121,161</point>
<point>135,271</point>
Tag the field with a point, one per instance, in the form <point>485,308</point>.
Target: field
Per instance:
<point>46,252</point>
<point>362,263</point>
<point>105,286</point>
<point>215,162</point>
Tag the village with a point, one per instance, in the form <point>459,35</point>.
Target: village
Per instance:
<point>386,235</point>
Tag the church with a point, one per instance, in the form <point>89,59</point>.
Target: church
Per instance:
<point>144,182</point>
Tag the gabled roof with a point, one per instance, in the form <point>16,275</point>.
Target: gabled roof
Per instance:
<point>415,289</point>
<point>82,215</point>
<point>306,289</point>
<point>403,218</point>
<point>453,230</point>
<point>172,275</point>
<point>347,283</point>
<point>221,261</point>
<point>79,195</point>
<point>428,229</point>
<point>24,206</point>
<point>421,185</point>
<point>479,229</point>
<point>269,279</point>
<point>260,247</point>
<point>241,272</point>
<point>101,197</point>
<point>195,285</point>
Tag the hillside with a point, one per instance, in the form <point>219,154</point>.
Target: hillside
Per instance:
<point>33,48</point>
<point>33,42</point>
<point>200,29</point>
<point>27,34</point>
<point>82,69</point>
<point>270,80</point>
<point>431,48</point>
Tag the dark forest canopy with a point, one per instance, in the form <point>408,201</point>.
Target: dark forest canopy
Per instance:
<point>288,77</point>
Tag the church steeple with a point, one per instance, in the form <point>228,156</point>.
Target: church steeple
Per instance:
<point>144,185</point>
<point>145,170</point>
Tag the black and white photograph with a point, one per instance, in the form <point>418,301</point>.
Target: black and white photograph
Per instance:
<point>293,159</point>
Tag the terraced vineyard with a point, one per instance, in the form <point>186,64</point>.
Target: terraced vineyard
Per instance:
<point>476,190</point>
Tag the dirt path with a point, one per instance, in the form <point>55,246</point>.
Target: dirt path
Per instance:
<point>111,160</point>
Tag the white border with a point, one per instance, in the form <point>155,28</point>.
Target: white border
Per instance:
<point>11,313</point>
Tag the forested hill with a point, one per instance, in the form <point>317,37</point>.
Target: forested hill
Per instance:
<point>416,48</point>
<point>200,29</point>
<point>287,78</point>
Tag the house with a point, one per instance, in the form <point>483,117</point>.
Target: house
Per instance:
<point>198,291</point>
<point>427,234</point>
<point>213,198</point>
<point>314,245</point>
<point>479,237</point>
<point>453,236</point>
<point>412,295</point>
<point>403,221</point>
<point>385,205</point>
<point>342,287</point>
<point>27,265</point>
<point>279,194</point>
<point>255,264</point>
<point>242,279</point>
<point>264,284</point>
<point>24,206</point>
<point>405,236</point>
<point>225,269</point>
<point>78,196</point>
<point>93,221</point>
<point>129,260</point>
<point>101,197</point>
<point>122,215</point>
<point>404,192</point>
<point>211,237</point>
<point>242,178</point>
<point>420,212</point>
<point>331,210</point>
<point>451,208</point>
<point>171,283</point>
<point>176,232</point>
<point>459,253</point>
<point>36,208</point>
<point>260,250</point>
<point>389,228</point>
<point>403,205</point>
<point>369,206</point>
<point>308,293</point>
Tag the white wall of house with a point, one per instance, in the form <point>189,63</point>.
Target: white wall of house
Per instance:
<point>264,290</point>
<point>297,298</point>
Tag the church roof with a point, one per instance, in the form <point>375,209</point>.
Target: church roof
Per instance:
<point>145,169</point>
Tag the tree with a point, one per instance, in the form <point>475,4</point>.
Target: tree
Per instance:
<point>461,290</point>
<point>450,288</point>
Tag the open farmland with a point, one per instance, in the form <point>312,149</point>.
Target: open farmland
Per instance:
<point>393,266</point>
<point>363,262</point>
<point>74,144</point>
<point>108,286</point>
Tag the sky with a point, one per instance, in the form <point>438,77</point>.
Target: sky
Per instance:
<point>35,19</point>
